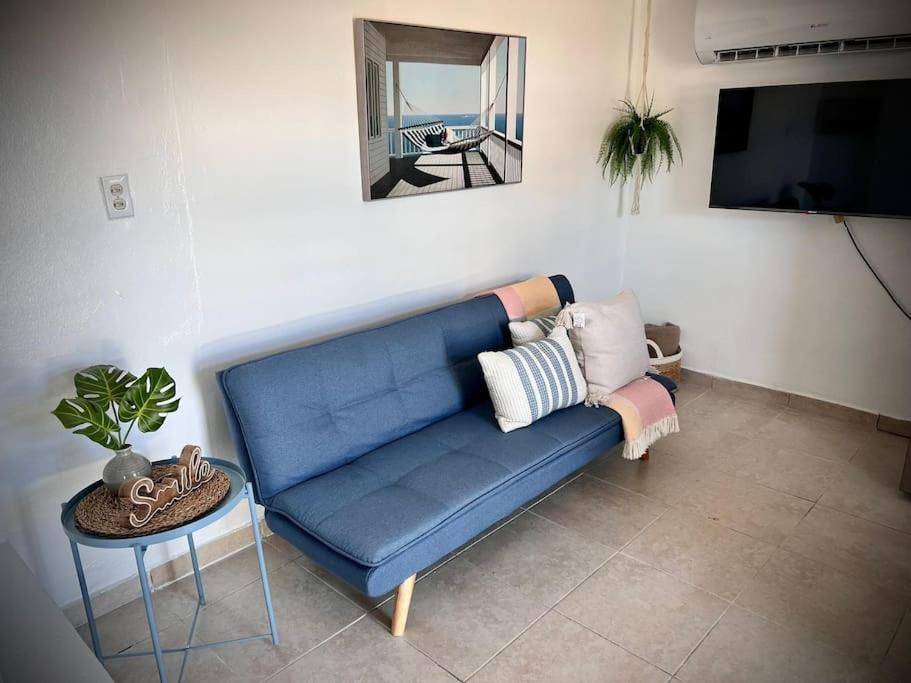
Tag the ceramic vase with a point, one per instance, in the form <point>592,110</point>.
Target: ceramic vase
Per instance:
<point>125,464</point>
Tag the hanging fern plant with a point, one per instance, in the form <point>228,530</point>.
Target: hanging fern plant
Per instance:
<point>638,137</point>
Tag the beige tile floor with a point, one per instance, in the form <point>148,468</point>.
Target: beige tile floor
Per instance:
<point>760,544</point>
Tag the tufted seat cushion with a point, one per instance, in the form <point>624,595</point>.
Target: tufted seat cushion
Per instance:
<point>401,494</point>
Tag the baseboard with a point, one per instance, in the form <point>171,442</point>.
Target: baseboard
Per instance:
<point>109,599</point>
<point>893,425</point>
<point>777,397</point>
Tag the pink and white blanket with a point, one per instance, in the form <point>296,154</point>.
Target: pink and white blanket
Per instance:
<point>647,412</point>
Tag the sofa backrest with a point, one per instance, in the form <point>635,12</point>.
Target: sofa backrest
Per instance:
<point>302,413</point>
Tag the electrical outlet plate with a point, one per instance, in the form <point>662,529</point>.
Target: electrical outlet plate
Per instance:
<point>117,198</point>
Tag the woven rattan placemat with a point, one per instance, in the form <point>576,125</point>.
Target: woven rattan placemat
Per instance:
<point>99,511</point>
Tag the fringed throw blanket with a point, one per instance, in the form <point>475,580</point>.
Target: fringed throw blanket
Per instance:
<point>647,413</point>
<point>529,299</point>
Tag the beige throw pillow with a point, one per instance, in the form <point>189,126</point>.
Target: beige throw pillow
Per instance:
<point>609,340</point>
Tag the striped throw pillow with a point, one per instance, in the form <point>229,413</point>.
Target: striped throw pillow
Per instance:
<point>531,330</point>
<point>533,380</point>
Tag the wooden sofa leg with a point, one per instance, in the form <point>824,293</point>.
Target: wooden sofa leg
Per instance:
<point>644,456</point>
<point>402,603</point>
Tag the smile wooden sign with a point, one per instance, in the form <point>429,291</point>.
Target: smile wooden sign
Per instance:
<point>144,498</point>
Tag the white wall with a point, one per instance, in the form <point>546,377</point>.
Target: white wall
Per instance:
<point>774,299</point>
<point>237,124</point>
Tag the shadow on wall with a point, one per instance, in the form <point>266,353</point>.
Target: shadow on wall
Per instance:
<point>27,421</point>
<point>225,353</point>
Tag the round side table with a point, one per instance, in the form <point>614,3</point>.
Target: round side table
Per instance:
<point>240,489</point>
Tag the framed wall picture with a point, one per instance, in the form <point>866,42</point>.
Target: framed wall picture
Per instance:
<point>438,109</point>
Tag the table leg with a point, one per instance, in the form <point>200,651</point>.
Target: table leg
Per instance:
<point>139,552</point>
<point>87,602</point>
<point>262,564</point>
<point>196,574</point>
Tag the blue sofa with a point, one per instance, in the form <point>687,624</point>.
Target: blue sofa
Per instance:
<point>377,453</point>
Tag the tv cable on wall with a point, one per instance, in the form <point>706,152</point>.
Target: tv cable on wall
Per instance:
<point>898,304</point>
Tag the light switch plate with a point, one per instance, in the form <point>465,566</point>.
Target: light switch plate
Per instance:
<point>117,198</point>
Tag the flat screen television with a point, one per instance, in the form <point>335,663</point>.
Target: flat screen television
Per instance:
<point>833,148</point>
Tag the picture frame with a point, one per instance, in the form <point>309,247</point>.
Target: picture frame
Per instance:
<point>438,109</point>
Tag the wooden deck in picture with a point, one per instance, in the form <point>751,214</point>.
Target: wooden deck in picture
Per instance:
<point>436,173</point>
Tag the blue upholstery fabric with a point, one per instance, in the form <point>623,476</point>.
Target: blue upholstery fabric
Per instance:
<point>377,453</point>
<point>302,413</point>
<point>390,498</point>
<point>666,382</point>
<point>564,289</point>
<point>454,533</point>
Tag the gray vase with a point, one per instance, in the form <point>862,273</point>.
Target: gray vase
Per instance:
<point>125,464</point>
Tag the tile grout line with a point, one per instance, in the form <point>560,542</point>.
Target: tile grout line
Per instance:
<point>620,551</point>
<point>810,636</point>
<point>708,632</point>
<point>265,539</point>
<point>432,571</point>
<point>862,519</point>
<point>367,612</point>
<point>553,607</point>
<point>809,633</point>
<point>337,591</point>
<point>894,636</point>
<point>428,656</point>
<point>510,642</point>
<point>471,545</point>
<point>185,619</point>
<point>675,506</point>
<point>846,571</point>
<point>814,503</point>
<point>543,498</point>
<point>612,556</point>
<point>729,603</point>
<point>474,542</point>
<point>678,578</point>
<point>308,651</point>
<point>612,642</point>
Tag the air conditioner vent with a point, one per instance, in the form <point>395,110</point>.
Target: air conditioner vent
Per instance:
<point>878,44</point>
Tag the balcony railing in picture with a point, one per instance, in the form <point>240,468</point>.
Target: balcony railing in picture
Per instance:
<point>410,149</point>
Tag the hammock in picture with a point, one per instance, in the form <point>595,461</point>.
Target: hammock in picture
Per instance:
<point>421,135</point>
<point>429,136</point>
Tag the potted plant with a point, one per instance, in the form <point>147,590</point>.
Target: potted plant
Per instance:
<point>637,137</point>
<point>108,400</point>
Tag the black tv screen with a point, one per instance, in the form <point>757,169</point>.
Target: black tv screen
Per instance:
<point>836,148</point>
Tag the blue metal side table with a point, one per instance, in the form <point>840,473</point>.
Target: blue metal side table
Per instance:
<point>239,490</point>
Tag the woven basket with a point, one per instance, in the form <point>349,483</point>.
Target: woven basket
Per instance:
<point>669,366</point>
<point>98,513</point>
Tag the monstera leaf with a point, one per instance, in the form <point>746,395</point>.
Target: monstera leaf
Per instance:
<point>149,399</point>
<point>91,420</point>
<point>103,384</point>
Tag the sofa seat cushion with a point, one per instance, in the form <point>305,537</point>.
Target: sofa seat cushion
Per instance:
<point>391,498</point>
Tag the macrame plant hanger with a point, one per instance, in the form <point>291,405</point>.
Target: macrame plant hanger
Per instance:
<point>642,102</point>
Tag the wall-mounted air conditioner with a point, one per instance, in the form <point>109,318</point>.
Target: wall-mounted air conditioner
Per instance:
<point>729,31</point>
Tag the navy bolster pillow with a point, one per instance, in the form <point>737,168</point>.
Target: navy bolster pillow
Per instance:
<point>434,140</point>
